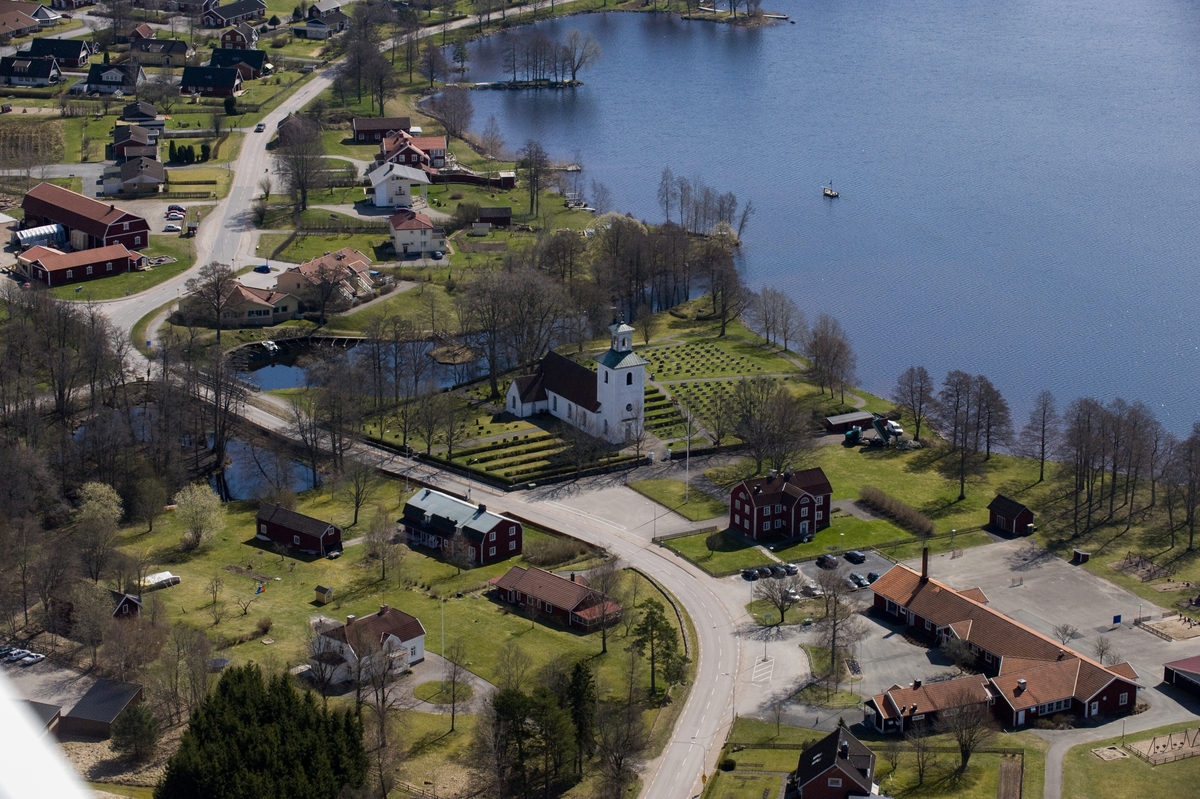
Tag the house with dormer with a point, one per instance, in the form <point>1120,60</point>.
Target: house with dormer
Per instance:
<point>460,530</point>
<point>160,52</point>
<point>210,81</point>
<point>114,78</point>
<point>215,16</point>
<point>389,639</point>
<point>784,504</point>
<point>607,403</point>
<point>240,37</point>
<point>414,233</point>
<point>839,766</point>
<point>27,71</point>
<point>250,64</point>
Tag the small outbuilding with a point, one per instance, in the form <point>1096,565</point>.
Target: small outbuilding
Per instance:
<point>1010,516</point>
<point>324,595</point>
<point>1183,674</point>
<point>47,716</point>
<point>94,714</point>
<point>844,421</point>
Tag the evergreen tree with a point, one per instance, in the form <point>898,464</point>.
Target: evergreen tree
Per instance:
<point>171,151</point>
<point>656,638</point>
<point>255,738</point>
<point>205,151</point>
<point>135,732</point>
<point>581,703</point>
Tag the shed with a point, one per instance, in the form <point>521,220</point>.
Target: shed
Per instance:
<point>94,714</point>
<point>496,216</point>
<point>844,421</point>
<point>42,234</point>
<point>324,595</point>
<point>1183,674</point>
<point>47,716</point>
<point>1010,516</point>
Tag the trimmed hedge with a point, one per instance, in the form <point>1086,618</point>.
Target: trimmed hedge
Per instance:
<point>897,510</point>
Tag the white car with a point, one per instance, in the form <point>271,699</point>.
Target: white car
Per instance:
<point>171,229</point>
<point>32,658</point>
<point>17,654</point>
<point>174,216</point>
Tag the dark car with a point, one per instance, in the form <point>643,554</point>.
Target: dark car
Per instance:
<point>263,269</point>
<point>750,574</point>
<point>858,580</point>
<point>778,571</point>
<point>177,208</point>
<point>854,556</point>
<point>827,561</point>
<point>872,576</point>
<point>791,568</point>
<point>764,571</point>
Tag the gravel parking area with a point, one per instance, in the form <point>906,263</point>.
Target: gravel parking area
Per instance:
<point>48,682</point>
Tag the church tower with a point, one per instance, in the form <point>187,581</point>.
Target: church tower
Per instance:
<point>620,386</point>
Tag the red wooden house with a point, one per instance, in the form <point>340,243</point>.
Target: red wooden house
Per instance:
<point>787,505</point>
<point>89,223</point>
<point>461,530</point>
<point>297,531</point>
<point>55,268</point>
<point>374,129</point>
<point>569,600</point>
<point>240,37</point>
<point>1010,516</point>
<point>1031,675</point>
<point>838,766</point>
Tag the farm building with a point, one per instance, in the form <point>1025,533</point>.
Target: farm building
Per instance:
<point>54,268</point>
<point>1010,516</point>
<point>94,714</point>
<point>89,223</point>
<point>295,530</point>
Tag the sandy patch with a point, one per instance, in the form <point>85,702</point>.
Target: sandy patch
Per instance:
<point>97,762</point>
<point>1110,753</point>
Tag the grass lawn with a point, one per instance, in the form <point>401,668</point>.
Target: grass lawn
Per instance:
<point>1086,776</point>
<point>340,142</point>
<point>844,532</point>
<point>222,176</point>
<point>306,247</point>
<point>733,554</point>
<point>819,697</point>
<point>433,692</point>
<point>670,493</point>
<point>424,305</point>
<point>109,288</point>
<point>132,791</point>
<point>766,614</point>
<point>731,785</point>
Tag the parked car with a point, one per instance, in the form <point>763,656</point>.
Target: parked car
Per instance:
<point>179,209</point>
<point>791,568</point>
<point>793,595</point>
<point>438,255</point>
<point>334,555</point>
<point>171,229</point>
<point>17,654</point>
<point>750,574</point>
<point>872,576</point>
<point>32,658</point>
<point>827,561</point>
<point>858,580</point>
<point>778,571</point>
<point>260,127</point>
<point>854,556</point>
<point>814,590</point>
<point>263,269</point>
<point>764,571</point>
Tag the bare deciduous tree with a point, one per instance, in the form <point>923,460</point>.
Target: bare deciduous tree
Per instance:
<point>968,720</point>
<point>1066,632</point>
<point>913,394</point>
<point>213,290</point>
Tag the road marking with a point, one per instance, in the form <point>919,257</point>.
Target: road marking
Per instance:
<point>763,670</point>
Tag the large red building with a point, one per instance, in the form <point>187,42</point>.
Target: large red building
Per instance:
<point>1030,675</point>
<point>787,505</point>
<point>89,223</point>
<point>297,531</point>
<point>55,268</point>
<point>461,530</point>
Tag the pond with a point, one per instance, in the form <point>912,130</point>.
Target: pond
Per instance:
<point>288,366</point>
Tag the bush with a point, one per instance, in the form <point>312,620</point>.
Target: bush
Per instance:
<point>728,764</point>
<point>897,510</point>
<point>553,550</point>
<point>456,195</point>
<point>264,626</point>
<point>279,41</point>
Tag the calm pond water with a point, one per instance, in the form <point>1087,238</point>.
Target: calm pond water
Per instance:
<point>1018,187</point>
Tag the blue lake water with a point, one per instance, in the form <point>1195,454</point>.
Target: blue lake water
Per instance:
<point>1018,181</point>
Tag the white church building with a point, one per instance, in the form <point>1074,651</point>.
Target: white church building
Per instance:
<point>607,403</point>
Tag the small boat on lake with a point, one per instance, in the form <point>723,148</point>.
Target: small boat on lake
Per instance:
<point>828,190</point>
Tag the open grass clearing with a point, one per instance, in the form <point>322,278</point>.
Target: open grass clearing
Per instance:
<point>670,494</point>
<point>305,247</point>
<point>731,785</point>
<point>765,613</point>
<point>732,554</point>
<point>429,306</point>
<point>107,288</point>
<point>818,696</point>
<point>844,532</point>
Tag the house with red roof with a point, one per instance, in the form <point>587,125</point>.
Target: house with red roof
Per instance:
<point>56,268</point>
<point>389,639</point>
<point>568,599</point>
<point>782,505</point>
<point>1030,675</point>
<point>89,223</point>
<point>247,306</point>
<point>348,268</point>
<point>414,233</point>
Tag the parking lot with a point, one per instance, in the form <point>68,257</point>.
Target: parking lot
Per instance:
<point>872,562</point>
<point>47,682</point>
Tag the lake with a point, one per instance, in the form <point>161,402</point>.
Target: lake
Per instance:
<point>1018,188</point>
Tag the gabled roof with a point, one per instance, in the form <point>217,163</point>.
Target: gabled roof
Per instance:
<point>28,67</point>
<point>62,49</point>
<point>429,143</point>
<point>135,133</point>
<point>410,220</point>
<point>139,110</point>
<point>825,753</point>
<point>487,214</point>
<point>1189,665</point>
<point>344,263</point>
<point>143,167</point>
<point>105,700</point>
<point>376,124</point>
<point>290,519</point>
<point>1047,682</point>
<point>167,46</point>
<point>238,8</point>
<point>131,75</point>
<point>144,31</point>
<point>1008,508</point>
<point>933,697</point>
<point>621,360</point>
<point>572,381</point>
<point>325,6</point>
<point>247,32</point>
<point>53,260</point>
<point>558,591</point>
<point>13,22</point>
<point>270,297</point>
<point>210,77</point>
<point>792,485</point>
<point>74,210</point>
<point>119,599</point>
<point>377,627</point>
<point>255,59</point>
<point>449,513</point>
<point>976,594</point>
<point>387,170</point>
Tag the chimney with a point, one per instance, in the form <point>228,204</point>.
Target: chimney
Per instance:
<point>924,564</point>
<point>383,609</point>
<point>350,619</point>
<point>572,576</point>
<point>916,684</point>
<point>845,749</point>
<point>1021,685</point>
<point>914,708</point>
<point>482,508</point>
<point>1060,654</point>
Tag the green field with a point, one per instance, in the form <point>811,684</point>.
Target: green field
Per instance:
<point>670,494</point>
<point>109,288</point>
<point>1086,776</point>
<point>306,247</point>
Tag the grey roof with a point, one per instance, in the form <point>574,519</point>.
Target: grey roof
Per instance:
<point>105,700</point>
<point>816,760</point>
<point>211,77</point>
<point>853,416</point>
<point>139,110</point>
<point>621,360</point>
<point>473,518</point>
<point>135,133</point>
<point>239,8</point>
<point>1007,507</point>
<point>255,59</point>
<point>297,522</point>
<point>171,46</point>
<point>143,166</point>
<point>44,713</point>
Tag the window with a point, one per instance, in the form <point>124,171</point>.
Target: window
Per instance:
<point>127,226</point>
<point>472,553</point>
<point>492,535</point>
<point>512,530</point>
<point>512,545</point>
<point>928,624</point>
<point>918,717</point>
<point>804,512</point>
<point>1123,699</point>
<point>605,377</point>
<point>767,511</point>
<point>262,528</point>
<point>296,540</point>
<point>779,509</point>
<point>549,608</point>
<point>491,550</point>
<point>819,499</point>
<point>820,515</point>
<point>891,606</point>
<point>629,379</point>
<point>137,239</point>
<point>89,270</point>
<point>556,403</point>
<point>737,504</point>
<point>737,518</point>
<point>514,402</point>
<point>69,272</point>
<point>766,526</point>
<point>778,523</point>
<point>987,656</point>
<point>835,782</point>
<point>108,267</point>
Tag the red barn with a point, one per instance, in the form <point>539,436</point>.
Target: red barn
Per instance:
<point>787,505</point>
<point>55,268</point>
<point>297,531</point>
<point>1010,516</point>
<point>89,223</point>
<point>461,530</point>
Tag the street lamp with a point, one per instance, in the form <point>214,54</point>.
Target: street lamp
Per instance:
<point>469,477</point>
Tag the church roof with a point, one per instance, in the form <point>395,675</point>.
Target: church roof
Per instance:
<point>558,374</point>
<point>624,328</point>
<point>621,360</point>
